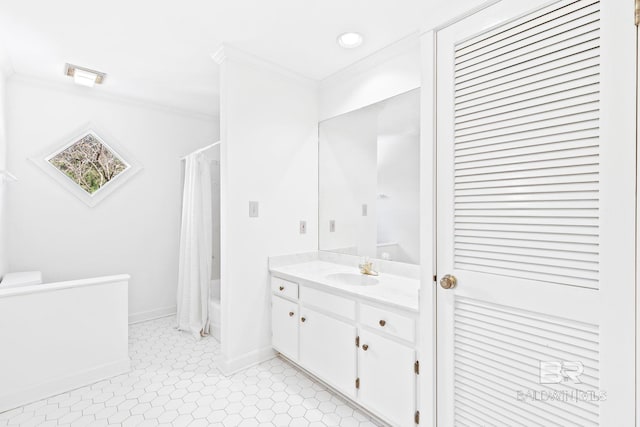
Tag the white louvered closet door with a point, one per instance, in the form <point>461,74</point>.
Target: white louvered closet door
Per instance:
<point>535,210</point>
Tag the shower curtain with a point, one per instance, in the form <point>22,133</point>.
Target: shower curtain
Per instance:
<point>194,274</point>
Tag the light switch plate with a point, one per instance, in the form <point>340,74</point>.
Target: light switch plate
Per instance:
<point>253,209</point>
<point>332,226</point>
<point>364,209</point>
<point>303,227</point>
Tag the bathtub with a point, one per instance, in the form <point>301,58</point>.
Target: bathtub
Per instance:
<point>214,309</point>
<point>60,336</point>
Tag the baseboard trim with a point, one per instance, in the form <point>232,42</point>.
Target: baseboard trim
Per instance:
<point>56,386</point>
<point>230,367</point>
<point>348,399</point>
<point>214,331</point>
<point>143,316</point>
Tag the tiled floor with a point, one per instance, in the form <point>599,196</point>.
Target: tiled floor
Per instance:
<point>174,383</point>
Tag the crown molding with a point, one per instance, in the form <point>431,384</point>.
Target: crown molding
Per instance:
<point>121,99</point>
<point>439,21</point>
<point>399,47</point>
<point>227,52</point>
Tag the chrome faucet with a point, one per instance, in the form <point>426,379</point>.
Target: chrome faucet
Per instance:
<point>367,268</point>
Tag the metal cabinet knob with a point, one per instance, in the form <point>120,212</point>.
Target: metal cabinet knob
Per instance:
<point>448,282</point>
<point>383,322</point>
<point>282,288</point>
<point>303,319</point>
<point>365,347</point>
<point>291,313</point>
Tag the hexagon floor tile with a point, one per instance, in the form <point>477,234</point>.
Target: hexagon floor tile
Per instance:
<point>173,382</point>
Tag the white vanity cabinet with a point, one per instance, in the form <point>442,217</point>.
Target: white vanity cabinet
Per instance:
<point>386,370</point>
<point>327,349</point>
<point>363,349</point>
<point>284,321</point>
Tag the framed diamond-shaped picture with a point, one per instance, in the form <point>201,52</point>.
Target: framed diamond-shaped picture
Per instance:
<point>88,164</point>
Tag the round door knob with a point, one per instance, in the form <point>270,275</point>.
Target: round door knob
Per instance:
<point>448,282</point>
<point>282,288</point>
<point>365,347</point>
<point>291,313</point>
<point>303,319</point>
<point>383,322</point>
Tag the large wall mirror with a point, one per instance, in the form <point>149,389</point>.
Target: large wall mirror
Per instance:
<point>369,166</point>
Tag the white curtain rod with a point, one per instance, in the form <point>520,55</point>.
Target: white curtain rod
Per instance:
<point>201,149</point>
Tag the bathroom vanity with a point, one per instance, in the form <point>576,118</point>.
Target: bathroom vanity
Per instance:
<point>356,333</point>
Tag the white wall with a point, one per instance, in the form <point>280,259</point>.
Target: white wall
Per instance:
<point>3,166</point>
<point>389,72</point>
<point>136,229</point>
<point>269,134</point>
<point>445,12</point>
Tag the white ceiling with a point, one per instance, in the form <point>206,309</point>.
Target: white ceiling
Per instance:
<point>160,50</point>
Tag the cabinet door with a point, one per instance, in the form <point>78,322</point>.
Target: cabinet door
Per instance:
<point>387,378</point>
<point>328,350</point>
<point>284,323</point>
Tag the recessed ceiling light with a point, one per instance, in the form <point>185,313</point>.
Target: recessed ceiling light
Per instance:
<point>84,76</point>
<point>350,40</point>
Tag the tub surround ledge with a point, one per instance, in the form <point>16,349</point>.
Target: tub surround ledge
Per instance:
<point>57,286</point>
<point>61,336</point>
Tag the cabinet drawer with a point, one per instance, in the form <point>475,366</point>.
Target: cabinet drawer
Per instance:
<point>387,321</point>
<point>284,288</point>
<point>328,302</point>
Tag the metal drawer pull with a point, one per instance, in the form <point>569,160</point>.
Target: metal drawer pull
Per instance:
<point>291,313</point>
<point>383,322</point>
<point>365,347</point>
<point>303,319</point>
<point>282,288</point>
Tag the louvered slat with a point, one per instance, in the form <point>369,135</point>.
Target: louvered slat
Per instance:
<point>564,83</point>
<point>519,367</point>
<point>526,205</point>
<point>523,148</point>
<point>586,167</point>
<point>527,106</point>
<point>497,354</point>
<point>526,149</point>
<point>543,35</point>
<point>526,189</point>
<point>518,27</point>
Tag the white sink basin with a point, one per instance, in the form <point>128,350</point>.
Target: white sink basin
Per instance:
<point>353,279</point>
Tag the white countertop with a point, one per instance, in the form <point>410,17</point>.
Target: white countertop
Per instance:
<point>398,291</point>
